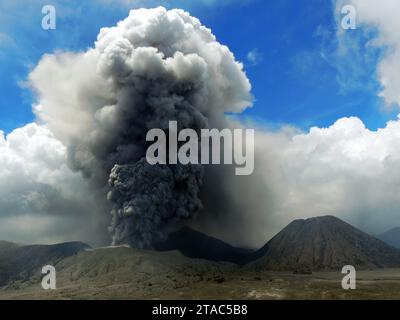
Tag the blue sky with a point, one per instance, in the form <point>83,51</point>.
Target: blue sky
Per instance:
<point>289,48</point>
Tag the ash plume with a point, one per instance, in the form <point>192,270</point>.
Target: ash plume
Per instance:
<point>154,67</point>
<point>147,198</point>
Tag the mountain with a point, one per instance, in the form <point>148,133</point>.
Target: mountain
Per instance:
<point>317,244</point>
<point>324,243</point>
<point>123,272</point>
<point>391,237</point>
<point>20,262</point>
<point>194,244</point>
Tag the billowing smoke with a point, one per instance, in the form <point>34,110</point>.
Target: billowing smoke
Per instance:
<point>148,198</point>
<point>154,67</point>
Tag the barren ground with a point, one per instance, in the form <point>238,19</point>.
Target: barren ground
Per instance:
<point>124,273</point>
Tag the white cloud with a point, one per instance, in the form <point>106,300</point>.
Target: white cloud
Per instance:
<point>40,197</point>
<point>254,57</point>
<point>384,16</point>
<point>346,170</point>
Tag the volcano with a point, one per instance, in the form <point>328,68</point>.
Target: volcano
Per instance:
<point>324,243</point>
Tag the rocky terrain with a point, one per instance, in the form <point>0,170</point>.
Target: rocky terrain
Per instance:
<point>303,261</point>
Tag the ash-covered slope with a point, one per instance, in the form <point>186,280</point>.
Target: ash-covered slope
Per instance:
<point>20,262</point>
<point>123,272</point>
<point>194,244</point>
<point>324,243</point>
<point>391,237</point>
